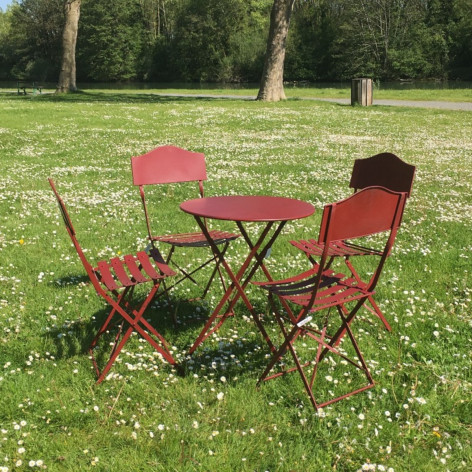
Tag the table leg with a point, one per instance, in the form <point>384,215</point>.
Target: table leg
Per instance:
<point>260,259</point>
<point>236,280</point>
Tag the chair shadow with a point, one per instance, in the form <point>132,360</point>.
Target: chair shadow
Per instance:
<point>74,338</point>
<point>232,356</point>
<point>228,358</point>
<point>71,280</point>
<point>248,359</point>
<point>248,356</point>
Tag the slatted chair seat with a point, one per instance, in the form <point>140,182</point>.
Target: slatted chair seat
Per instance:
<point>114,280</point>
<point>196,239</point>
<point>131,270</point>
<point>337,249</point>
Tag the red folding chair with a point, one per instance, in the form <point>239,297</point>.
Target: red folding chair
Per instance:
<point>367,212</point>
<point>384,170</point>
<point>115,281</point>
<point>170,164</point>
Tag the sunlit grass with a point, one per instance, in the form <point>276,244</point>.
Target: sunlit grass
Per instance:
<point>147,417</point>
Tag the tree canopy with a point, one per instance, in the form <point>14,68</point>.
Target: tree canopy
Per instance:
<point>225,40</point>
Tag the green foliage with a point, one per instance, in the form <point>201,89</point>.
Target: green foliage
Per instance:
<point>461,40</point>
<point>312,34</point>
<point>388,39</point>
<point>111,41</point>
<point>33,45</point>
<point>5,54</point>
<point>225,40</point>
<point>218,40</point>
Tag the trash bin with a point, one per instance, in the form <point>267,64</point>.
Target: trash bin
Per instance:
<point>361,92</point>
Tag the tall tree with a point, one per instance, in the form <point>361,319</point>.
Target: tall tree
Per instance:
<point>314,28</point>
<point>114,42</point>
<point>272,81</point>
<point>33,43</point>
<point>67,76</point>
<point>461,49</point>
<point>390,39</point>
<point>204,33</point>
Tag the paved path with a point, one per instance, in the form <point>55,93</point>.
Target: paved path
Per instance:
<point>466,106</point>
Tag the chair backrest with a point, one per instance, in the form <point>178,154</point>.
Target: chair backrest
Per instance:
<point>168,164</point>
<point>367,212</point>
<point>71,231</point>
<point>63,210</point>
<point>384,170</point>
<point>165,165</point>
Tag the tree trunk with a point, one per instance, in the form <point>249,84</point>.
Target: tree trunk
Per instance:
<point>272,81</point>
<point>67,77</point>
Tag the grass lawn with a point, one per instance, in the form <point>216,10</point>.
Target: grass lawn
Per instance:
<point>147,417</point>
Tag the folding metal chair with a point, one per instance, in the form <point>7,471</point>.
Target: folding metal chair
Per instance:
<point>171,164</point>
<point>367,212</point>
<point>115,281</point>
<point>384,170</point>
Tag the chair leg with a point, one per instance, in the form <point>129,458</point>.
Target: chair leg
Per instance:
<point>323,348</point>
<point>106,324</point>
<point>375,310</point>
<point>289,339</point>
<point>378,312</point>
<point>308,385</point>
<point>136,323</point>
<point>356,347</point>
<point>288,344</point>
<point>169,260</point>
<point>189,274</point>
<point>217,269</point>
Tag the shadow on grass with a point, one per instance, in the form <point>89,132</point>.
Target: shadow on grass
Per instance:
<point>249,357</point>
<point>230,356</point>
<point>71,280</point>
<point>73,338</point>
<point>116,97</point>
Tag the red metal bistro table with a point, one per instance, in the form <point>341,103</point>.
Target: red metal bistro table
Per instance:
<point>274,212</point>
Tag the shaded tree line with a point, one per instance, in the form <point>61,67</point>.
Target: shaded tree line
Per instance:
<point>225,40</point>
<point>386,39</point>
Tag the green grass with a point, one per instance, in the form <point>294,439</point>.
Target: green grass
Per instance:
<point>147,417</point>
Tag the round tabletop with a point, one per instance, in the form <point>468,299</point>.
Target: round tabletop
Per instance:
<point>248,208</point>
